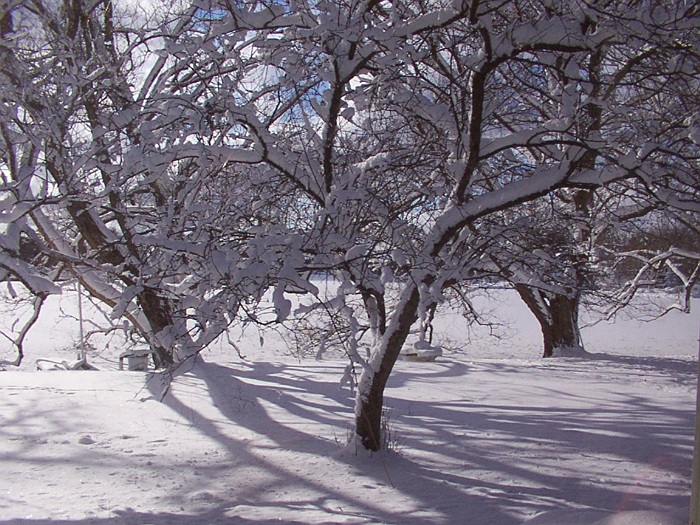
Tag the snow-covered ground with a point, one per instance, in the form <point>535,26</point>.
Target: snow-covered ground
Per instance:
<point>489,434</point>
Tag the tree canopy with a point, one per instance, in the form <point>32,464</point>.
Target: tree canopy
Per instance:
<point>181,165</point>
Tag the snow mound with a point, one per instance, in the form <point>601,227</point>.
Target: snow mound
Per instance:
<point>594,517</point>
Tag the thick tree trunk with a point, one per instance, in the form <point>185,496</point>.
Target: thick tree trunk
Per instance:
<point>558,318</point>
<point>370,395</point>
<point>158,312</point>
<point>562,336</point>
<point>155,308</point>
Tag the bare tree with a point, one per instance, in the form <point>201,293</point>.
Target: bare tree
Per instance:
<point>395,130</point>
<point>551,250</point>
<point>113,166</point>
<point>374,141</point>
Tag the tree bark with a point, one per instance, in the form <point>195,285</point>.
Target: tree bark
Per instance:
<point>155,307</point>
<point>159,314</point>
<point>558,318</point>
<point>370,395</point>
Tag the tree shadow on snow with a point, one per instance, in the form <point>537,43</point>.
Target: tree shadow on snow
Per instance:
<point>254,396</point>
<point>683,371</point>
<point>466,456</point>
<point>534,457</point>
<point>464,461</point>
<point>129,517</point>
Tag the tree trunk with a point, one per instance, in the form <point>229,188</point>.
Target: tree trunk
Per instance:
<point>558,318</point>
<point>159,314</point>
<point>370,395</point>
<point>562,336</point>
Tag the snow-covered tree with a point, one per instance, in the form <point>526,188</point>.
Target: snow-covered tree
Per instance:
<point>116,168</point>
<point>394,130</point>
<point>636,88</point>
<point>179,167</point>
<point>659,251</point>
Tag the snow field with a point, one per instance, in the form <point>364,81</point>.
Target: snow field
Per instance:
<point>481,436</point>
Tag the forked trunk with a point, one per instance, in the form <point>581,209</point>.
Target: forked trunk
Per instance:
<point>370,395</point>
<point>558,318</point>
